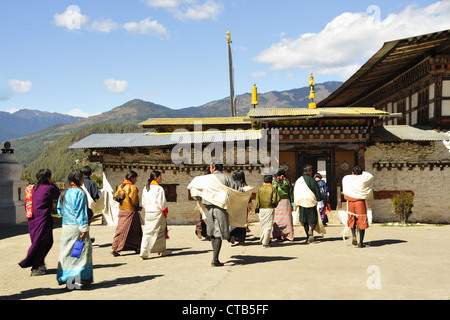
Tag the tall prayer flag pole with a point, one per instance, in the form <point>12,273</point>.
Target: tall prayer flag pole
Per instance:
<point>230,61</point>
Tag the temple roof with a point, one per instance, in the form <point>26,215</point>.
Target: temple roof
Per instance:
<point>192,121</point>
<point>408,133</point>
<point>393,59</point>
<point>127,140</point>
<point>303,113</point>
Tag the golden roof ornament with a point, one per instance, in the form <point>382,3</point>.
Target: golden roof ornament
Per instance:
<point>254,95</point>
<point>312,94</point>
<point>228,36</point>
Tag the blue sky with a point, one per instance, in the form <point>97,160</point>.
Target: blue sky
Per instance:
<point>87,57</point>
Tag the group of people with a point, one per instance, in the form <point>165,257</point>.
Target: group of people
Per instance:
<point>224,203</point>
<point>219,198</point>
<point>129,234</point>
<point>74,205</point>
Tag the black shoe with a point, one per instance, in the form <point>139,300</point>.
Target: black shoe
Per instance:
<point>217,264</point>
<point>115,253</point>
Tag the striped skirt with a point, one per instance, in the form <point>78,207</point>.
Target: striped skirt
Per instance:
<point>128,231</point>
<point>283,225</point>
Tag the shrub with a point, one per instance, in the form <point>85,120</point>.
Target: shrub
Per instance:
<point>402,204</point>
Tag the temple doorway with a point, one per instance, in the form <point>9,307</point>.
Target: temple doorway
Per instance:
<point>321,161</point>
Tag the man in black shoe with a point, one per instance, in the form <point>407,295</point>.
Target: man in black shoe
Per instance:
<point>306,196</point>
<point>217,224</point>
<point>358,189</point>
<point>220,201</point>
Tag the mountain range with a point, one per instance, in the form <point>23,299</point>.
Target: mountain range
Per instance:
<point>47,146</point>
<point>25,122</point>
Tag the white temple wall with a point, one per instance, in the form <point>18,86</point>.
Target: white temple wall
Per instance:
<point>420,173</point>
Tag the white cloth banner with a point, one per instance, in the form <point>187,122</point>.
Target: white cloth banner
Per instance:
<point>303,196</point>
<point>358,186</point>
<point>209,188</point>
<point>110,206</point>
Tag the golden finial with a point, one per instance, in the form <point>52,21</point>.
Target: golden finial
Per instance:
<point>228,36</point>
<point>254,95</point>
<point>312,94</point>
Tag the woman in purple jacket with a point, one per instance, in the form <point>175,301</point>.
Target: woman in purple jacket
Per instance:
<point>40,224</point>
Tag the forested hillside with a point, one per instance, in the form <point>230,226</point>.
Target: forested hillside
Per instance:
<point>59,159</point>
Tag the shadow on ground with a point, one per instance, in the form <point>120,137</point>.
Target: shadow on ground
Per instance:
<point>41,292</point>
<point>245,259</point>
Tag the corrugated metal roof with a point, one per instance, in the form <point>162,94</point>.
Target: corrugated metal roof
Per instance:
<point>322,112</point>
<point>191,121</point>
<point>408,133</point>
<point>122,140</point>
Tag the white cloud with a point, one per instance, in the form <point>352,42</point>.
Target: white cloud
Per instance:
<point>73,20</point>
<point>20,86</point>
<point>259,74</point>
<point>80,113</point>
<point>146,26</point>
<point>115,86</point>
<point>351,39</point>
<point>189,9</point>
<point>105,26</point>
<point>166,4</point>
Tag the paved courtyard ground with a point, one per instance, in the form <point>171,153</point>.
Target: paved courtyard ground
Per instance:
<point>400,263</point>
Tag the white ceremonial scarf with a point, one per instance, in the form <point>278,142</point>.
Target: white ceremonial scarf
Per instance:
<point>303,196</point>
<point>358,186</point>
<point>209,188</point>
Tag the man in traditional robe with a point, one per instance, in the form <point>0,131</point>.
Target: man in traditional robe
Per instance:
<point>220,200</point>
<point>306,196</point>
<point>357,189</point>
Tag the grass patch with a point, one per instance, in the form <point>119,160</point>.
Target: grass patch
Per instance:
<point>417,224</point>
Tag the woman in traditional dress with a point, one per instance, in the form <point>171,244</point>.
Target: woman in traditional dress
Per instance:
<point>72,207</point>
<point>40,223</point>
<point>283,226</point>
<point>155,207</point>
<point>128,231</point>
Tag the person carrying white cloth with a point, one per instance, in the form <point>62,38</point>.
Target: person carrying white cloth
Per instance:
<point>306,196</point>
<point>357,189</point>
<point>219,204</point>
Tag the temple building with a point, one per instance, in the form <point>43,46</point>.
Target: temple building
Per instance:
<point>390,118</point>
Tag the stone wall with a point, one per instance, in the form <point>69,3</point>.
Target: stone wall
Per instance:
<point>419,172</point>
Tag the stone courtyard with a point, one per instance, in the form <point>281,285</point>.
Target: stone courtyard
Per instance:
<point>399,263</point>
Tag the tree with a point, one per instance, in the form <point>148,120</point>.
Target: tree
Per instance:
<point>402,204</point>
